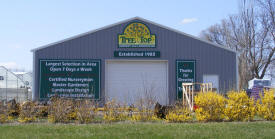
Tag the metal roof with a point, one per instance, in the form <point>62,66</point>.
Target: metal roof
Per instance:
<point>134,18</point>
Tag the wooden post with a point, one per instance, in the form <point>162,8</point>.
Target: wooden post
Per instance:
<point>192,97</point>
<point>211,87</point>
<point>188,92</point>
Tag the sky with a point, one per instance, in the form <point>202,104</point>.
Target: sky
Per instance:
<point>28,24</point>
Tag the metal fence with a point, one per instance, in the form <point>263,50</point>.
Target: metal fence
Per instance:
<point>20,95</point>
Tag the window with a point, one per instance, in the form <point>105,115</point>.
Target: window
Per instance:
<point>1,78</point>
<point>214,79</point>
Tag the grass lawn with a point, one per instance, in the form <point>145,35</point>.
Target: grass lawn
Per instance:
<point>140,130</point>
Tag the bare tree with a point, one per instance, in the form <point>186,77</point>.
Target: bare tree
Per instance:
<point>251,34</point>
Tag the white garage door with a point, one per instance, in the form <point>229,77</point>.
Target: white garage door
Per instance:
<point>130,81</point>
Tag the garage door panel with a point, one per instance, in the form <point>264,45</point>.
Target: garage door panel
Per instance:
<point>128,81</point>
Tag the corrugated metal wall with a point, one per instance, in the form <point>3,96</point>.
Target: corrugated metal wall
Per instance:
<point>172,45</point>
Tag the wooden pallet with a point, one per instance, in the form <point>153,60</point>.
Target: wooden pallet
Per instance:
<point>188,90</point>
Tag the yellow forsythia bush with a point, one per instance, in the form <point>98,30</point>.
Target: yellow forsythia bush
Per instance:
<point>114,112</point>
<point>3,118</point>
<point>3,113</point>
<point>143,114</point>
<point>266,107</point>
<point>239,107</point>
<point>27,112</point>
<point>143,109</point>
<point>41,111</point>
<point>13,109</point>
<point>210,106</point>
<point>61,110</point>
<point>85,111</point>
<point>179,114</point>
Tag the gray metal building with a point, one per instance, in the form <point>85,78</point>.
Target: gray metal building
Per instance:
<point>132,59</point>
